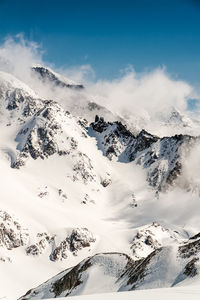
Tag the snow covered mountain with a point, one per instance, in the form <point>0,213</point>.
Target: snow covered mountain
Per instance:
<point>164,267</point>
<point>85,194</point>
<point>160,156</point>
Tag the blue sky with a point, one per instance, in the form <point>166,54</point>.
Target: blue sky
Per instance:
<point>110,35</point>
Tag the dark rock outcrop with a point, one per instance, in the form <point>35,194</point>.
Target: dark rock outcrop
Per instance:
<point>12,234</point>
<point>78,239</point>
<point>48,76</point>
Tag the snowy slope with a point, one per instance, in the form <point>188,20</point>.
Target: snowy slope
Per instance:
<point>182,293</point>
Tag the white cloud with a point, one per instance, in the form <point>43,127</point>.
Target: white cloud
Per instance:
<point>190,168</point>
<point>143,93</point>
<point>137,92</point>
<point>80,74</point>
<point>17,55</point>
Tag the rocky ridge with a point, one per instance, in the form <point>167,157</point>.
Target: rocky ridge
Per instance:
<point>14,235</point>
<point>164,267</point>
<point>76,240</point>
<point>152,237</point>
<point>49,76</point>
<point>161,157</point>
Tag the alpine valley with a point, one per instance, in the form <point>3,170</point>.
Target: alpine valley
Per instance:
<point>93,201</point>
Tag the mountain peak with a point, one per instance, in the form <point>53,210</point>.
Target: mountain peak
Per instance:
<point>49,76</point>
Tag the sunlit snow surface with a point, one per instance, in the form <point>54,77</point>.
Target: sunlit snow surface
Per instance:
<point>183,293</point>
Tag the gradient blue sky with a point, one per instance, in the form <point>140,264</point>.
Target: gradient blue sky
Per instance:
<point>110,35</point>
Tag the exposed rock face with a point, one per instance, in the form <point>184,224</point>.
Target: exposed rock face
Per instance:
<point>190,249</point>
<point>189,253</point>
<point>164,267</point>
<point>196,236</point>
<point>12,234</point>
<point>136,274</point>
<point>18,99</point>
<point>78,239</point>
<point>105,182</point>
<point>150,238</point>
<point>113,138</point>
<point>190,269</point>
<point>83,169</point>
<point>5,259</point>
<point>44,240</point>
<point>161,157</point>
<point>51,77</point>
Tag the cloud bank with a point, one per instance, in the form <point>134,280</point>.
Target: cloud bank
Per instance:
<point>17,55</point>
<point>148,91</point>
<point>131,93</point>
